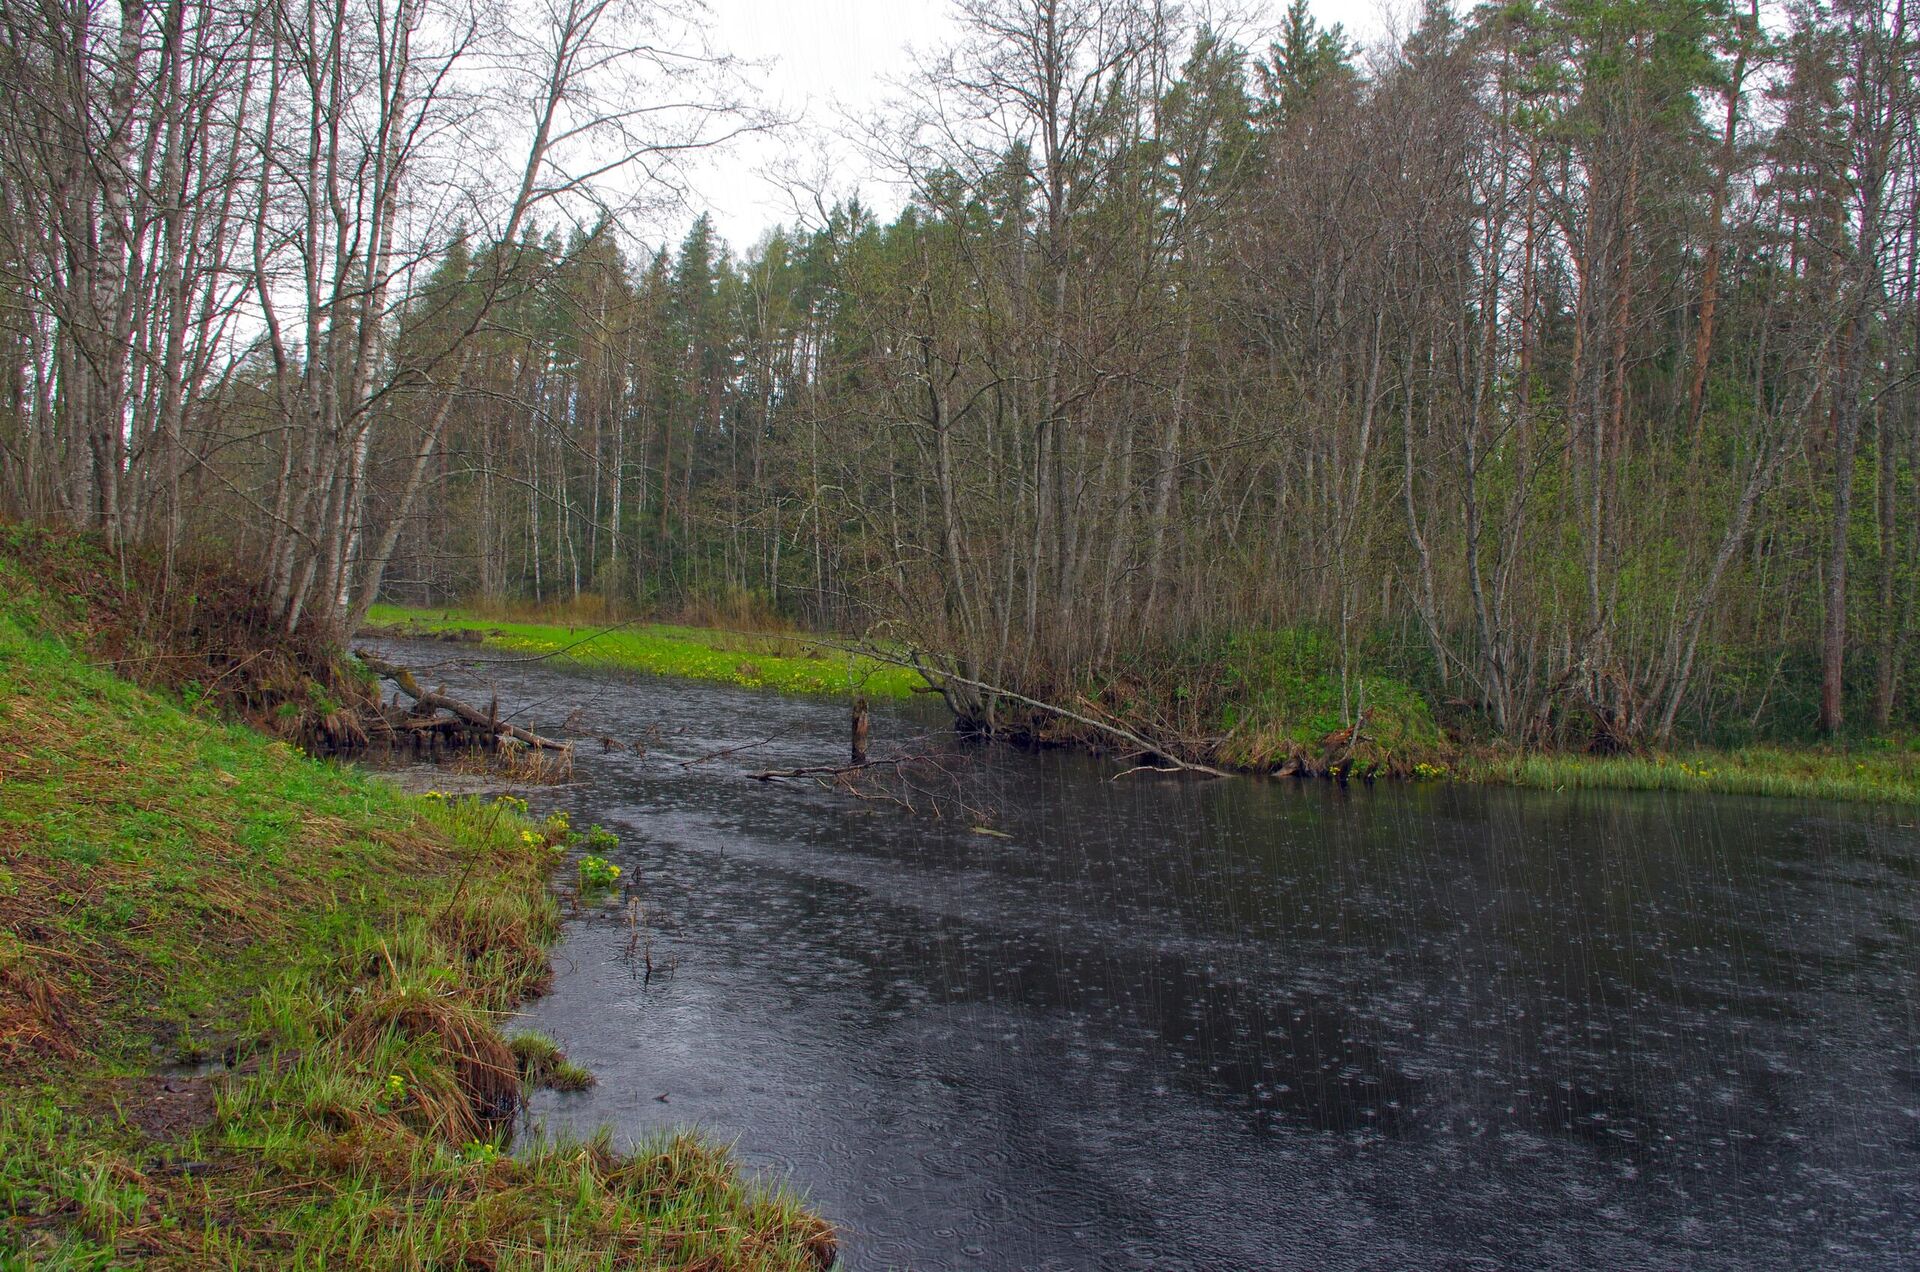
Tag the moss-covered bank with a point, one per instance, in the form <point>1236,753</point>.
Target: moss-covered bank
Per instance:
<point>176,890</point>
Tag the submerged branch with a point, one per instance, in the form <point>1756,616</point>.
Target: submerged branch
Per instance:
<point>833,770</point>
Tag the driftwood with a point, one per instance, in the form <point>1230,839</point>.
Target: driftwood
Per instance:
<point>490,724</point>
<point>833,770</point>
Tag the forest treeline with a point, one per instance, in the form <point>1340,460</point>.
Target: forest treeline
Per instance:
<point>1560,357</point>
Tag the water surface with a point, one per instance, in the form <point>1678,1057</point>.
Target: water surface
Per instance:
<point>1242,1024</point>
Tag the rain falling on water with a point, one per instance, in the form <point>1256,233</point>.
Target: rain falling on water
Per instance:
<point>1242,1024</point>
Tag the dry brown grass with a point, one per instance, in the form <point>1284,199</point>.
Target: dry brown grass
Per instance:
<point>487,1093</point>
<point>519,765</point>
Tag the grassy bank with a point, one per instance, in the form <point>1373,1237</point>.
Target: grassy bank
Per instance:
<point>172,889</point>
<point>1886,775</point>
<point>1261,702</point>
<point>1275,702</point>
<point>782,661</point>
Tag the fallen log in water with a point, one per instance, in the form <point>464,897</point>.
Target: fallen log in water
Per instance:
<point>492,725</point>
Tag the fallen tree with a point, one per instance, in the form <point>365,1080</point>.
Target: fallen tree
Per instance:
<point>487,723</point>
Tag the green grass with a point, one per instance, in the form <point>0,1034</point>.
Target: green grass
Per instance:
<point>543,1064</point>
<point>173,888</point>
<point>784,662</point>
<point>1284,694</point>
<point>568,1076</point>
<point>1879,775</point>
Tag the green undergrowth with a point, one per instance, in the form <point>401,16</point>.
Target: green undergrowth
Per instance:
<point>781,661</point>
<point>1871,775</point>
<point>175,890</point>
<point>1273,700</point>
<point>1284,695</point>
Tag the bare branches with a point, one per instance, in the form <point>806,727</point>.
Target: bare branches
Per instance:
<point>1534,366</point>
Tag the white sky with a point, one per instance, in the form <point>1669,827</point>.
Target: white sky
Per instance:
<point>825,57</point>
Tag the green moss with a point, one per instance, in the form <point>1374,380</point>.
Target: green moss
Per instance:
<point>787,663</point>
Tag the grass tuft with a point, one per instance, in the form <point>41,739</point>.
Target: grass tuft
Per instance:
<point>542,1064</point>
<point>534,1052</point>
<point>568,1076</point>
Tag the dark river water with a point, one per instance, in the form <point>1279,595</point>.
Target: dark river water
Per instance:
<point>1242,1024</point>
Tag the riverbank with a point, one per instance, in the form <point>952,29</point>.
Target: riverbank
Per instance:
<point>784,661</point>
<point>253,1009</point>
<point>1886,774</point>
<point>1267,705</point>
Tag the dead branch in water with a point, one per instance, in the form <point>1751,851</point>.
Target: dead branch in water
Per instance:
<point>434,701</point>
<point>906,787</point>
<point>835,770</point>
<point>935,676</point>
<point>1146,745</point>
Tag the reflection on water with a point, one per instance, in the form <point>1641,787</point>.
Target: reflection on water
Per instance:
<point>1247,1024</point>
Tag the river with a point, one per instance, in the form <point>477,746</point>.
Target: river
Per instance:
<point>1236,1024</point>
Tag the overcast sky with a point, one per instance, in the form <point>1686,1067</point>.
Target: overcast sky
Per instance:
<point>823,57</point>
